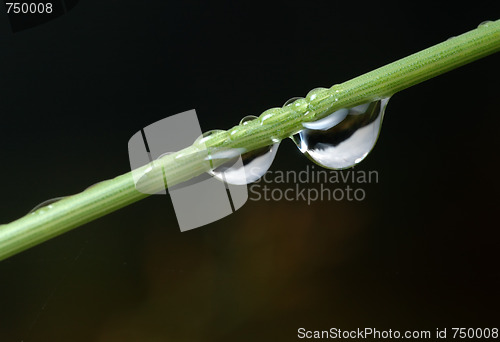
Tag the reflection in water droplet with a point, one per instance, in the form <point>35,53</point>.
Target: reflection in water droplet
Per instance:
<point>344,138</point>
<point>226,154</point>
<point>250,167</point>
<point>329,121</point>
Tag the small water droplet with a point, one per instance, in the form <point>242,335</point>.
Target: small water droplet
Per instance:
<point>266,116</point>
<point>291,100</point>
<point>247,119</point>
<point>180,155</point>
<point>207,136</point>
<point>335,89</point>
<point>296,105</point>
<point>46,204</point>
<point>344,138</point>
<point>213,134</point>
<point>250,167</point>
<point>484,23</point>
<point>93,185</point>
<point>316,93</point>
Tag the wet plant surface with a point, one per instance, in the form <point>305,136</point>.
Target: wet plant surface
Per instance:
<point>418,253</point>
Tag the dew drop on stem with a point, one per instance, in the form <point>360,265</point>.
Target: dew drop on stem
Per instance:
<point>343,138</point>
<point>243,167</point>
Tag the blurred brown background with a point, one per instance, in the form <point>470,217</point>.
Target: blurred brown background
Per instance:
<point>421,252</point>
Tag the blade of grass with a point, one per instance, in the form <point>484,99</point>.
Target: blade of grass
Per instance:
<point>276,123</point>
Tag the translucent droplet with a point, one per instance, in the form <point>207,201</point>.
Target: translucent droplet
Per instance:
<point>296,105</point>
<point>315,93</point>
<point>215,134</point>
<point>93,185</point>
<point>484,23</point>
<point>48,203</point>
<point>250,167</point>
<point>247,119</point>
<point>335,90</point>
<point>291,100</point>
<point>344,138</point>
<point>266,116</point>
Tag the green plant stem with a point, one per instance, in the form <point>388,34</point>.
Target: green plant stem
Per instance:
<point>274,124</point>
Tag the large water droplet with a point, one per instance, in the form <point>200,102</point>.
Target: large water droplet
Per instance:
<point>344,138</point>
<point>250,167</point>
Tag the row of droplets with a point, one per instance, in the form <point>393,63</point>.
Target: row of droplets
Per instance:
<point>338,141</point>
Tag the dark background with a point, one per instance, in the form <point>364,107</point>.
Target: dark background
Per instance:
<point>421,252</point>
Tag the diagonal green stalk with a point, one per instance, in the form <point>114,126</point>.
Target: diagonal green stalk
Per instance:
<point>274,124</point>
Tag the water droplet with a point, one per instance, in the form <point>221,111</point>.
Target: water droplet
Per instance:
<point>330,121</point>
<point>180,155</point>
<point>296,105</point>
<point>46,204</point>
<point>335,90</point>
<point>320,100</point>
<point>160,156</point>
<point>484,23</point>
<point>267,116</point>
<point>250,167</point>
<point>215,134</point>
<point>95,184</point>
<point>208,136</point>
<point>226,154</point>
<point>291,100</point>
<point>316,93</point>
<point>344,138</point>
<point>247,119</point>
